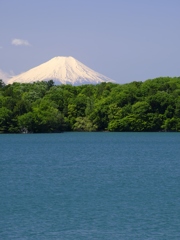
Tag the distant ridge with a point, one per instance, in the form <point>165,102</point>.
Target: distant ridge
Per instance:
<point>62,70</point>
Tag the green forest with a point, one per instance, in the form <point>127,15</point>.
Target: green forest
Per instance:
<point>42,107</point>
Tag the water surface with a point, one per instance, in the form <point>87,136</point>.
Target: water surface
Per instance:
<point>90,186</point>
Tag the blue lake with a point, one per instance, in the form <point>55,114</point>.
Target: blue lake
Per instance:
<point>90,186</point>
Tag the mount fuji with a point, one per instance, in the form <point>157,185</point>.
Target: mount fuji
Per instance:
<point>62,70</point>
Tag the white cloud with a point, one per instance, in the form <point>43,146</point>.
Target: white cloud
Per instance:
<point>20,42</point>
<point>4,76</point>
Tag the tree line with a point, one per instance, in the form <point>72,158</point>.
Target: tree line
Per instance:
<point>42,107</point>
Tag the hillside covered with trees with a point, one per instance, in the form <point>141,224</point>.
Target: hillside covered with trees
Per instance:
<point>42,107</point>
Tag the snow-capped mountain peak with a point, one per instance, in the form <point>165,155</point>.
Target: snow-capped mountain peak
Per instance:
<point>63,70</point>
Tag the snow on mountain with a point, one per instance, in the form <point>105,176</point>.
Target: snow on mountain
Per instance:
<point>62,70</point>
<point>4,76</point>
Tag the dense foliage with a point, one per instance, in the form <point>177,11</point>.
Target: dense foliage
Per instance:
<point>153,105</point>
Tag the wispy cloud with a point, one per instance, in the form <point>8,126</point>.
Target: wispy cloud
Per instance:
<point>1,47</point>
<point>20,42</point>
<point>4,76</point>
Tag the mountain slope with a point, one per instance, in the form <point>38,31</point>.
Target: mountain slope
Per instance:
<point>63,70</point>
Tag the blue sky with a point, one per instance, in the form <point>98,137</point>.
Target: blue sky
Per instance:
<point>126,40</point>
